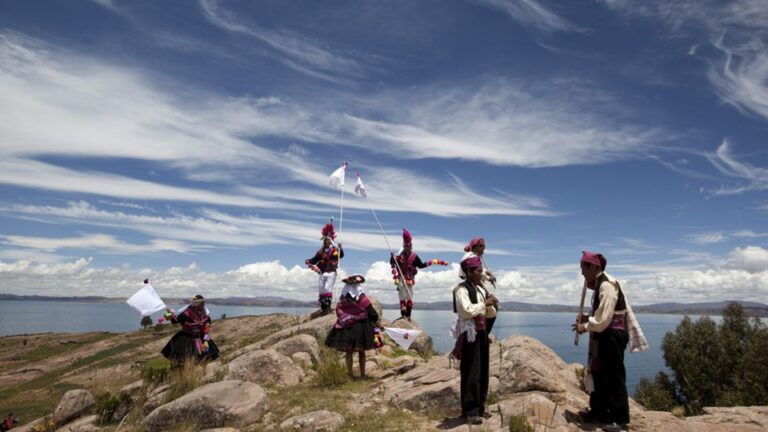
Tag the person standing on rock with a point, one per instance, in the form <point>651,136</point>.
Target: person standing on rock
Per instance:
<point>356,319</point>
<point>193,341</point>
<point>324,263</point>
<point>470,302</point>
<point>405,265</point>
<point>611,325</point>
<point>476,247</point>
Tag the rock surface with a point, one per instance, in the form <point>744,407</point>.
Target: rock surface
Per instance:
<point>73,404</point>
<point>302,343</point>
<point>225,403</point>
<point>83,424</point>
<point>315,421</point>
<point>266,367</point>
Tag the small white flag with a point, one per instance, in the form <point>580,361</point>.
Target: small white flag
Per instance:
<point>146,300</point>
<point>360,188</point>
<point>337,178</point>
<point>403,337</point>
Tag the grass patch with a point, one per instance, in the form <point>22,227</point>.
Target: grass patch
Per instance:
<point>156,370</point>
<point>331,371</point>
<point>185,378</point>
<point>55,349</point>
<point>519,423</point>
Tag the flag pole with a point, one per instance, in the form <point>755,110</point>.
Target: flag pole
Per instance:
<point>386,240</point>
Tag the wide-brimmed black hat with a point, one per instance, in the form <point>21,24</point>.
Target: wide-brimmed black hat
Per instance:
<point>353,279</point>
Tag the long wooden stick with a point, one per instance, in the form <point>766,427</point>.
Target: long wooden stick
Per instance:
<point>581,312</point>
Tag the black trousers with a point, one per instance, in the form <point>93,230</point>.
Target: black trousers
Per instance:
<point>474,375</point>
<point>489,324</point>
<point>609,400</point>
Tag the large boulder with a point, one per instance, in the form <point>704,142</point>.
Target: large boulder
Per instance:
<point>220,404</point>
<point>83,424</point>
<point>73,404</point>
<point>267,367</point>
<point>315,421</point>
<point>299,343</point>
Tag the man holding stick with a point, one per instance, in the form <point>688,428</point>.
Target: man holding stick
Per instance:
<point>608,328</point>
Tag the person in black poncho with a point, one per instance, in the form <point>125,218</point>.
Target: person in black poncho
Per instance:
<point>356,320</point>
<point>193,341</point>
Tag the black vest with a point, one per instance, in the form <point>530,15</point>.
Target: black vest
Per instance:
<point>471,290</point>
<point>621,304</point>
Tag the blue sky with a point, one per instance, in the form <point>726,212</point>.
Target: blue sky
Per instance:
<point>191,143</point>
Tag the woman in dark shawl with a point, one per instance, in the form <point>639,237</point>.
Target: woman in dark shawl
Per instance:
<point>193,341</point>
<point>356,319</point>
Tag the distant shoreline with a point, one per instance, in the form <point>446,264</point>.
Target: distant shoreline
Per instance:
<point>711,308</point>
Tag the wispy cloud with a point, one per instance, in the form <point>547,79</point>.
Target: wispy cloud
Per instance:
<point>505,122</point>
<point>297,52</point>
<point>102,243</point>
<point>706,238</point>
<point>738,29</point>
<point>532,13</point>
<point>726,163</point>
<point>96,110</point>
<point>207,229</point>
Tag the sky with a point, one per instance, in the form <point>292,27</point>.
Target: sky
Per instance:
<point>191,143</point>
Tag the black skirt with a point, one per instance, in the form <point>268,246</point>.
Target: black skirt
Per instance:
<point>359,337</point>
<point>183,346</point>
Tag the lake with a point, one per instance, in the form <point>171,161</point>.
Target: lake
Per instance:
<point>552,329</point>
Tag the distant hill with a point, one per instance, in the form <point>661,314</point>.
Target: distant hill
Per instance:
<point>707,308</point>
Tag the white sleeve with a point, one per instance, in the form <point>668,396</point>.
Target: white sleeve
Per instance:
<point>465,308</point>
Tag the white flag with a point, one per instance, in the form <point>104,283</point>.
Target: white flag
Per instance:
<point>403,337</point>
<point>146,300</point>
<point>360,188</point>
<point>337,178</point>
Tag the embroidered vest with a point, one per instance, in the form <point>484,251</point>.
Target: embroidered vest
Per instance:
<point>621,304</point>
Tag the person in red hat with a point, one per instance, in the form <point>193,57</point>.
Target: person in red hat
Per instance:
<point>405,265</point>
<point>608,338</point>
<point>356,321</point>
<point>194,340</point>
<point>476,247</point>
<point>470,303</point>
<point>325,263</point>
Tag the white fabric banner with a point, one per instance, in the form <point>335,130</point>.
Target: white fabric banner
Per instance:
<point>403,337</point>
<point>360,188</point>
<point>337,178</point>
<point>146,300</point>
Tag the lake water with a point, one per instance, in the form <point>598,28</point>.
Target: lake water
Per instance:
<point>552,329</point>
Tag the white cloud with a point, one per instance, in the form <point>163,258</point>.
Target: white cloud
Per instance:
<point>102,243</point>
<point>745,277</point>
<point>706,238</point>
<point>103,111</point>
<point>210,228</point>
<point>503,122</point>
<point>748,234</point>
<point>531,13</point>
<point>726,162</point>
<point>752,259</point>
<point>737,28</point>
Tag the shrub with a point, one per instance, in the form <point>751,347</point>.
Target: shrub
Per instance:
<point>156,370</point>
<point>656,395</point>
<point>146,321</point>
<point>712,365</point>
<point>107,405</point>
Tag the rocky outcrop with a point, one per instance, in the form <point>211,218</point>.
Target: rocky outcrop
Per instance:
<point>73,404</point>
<point>315,421</point>
<point>265,367</point>
<point>302,343</point>
<point>225,403</point>
<point>83,424</point>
